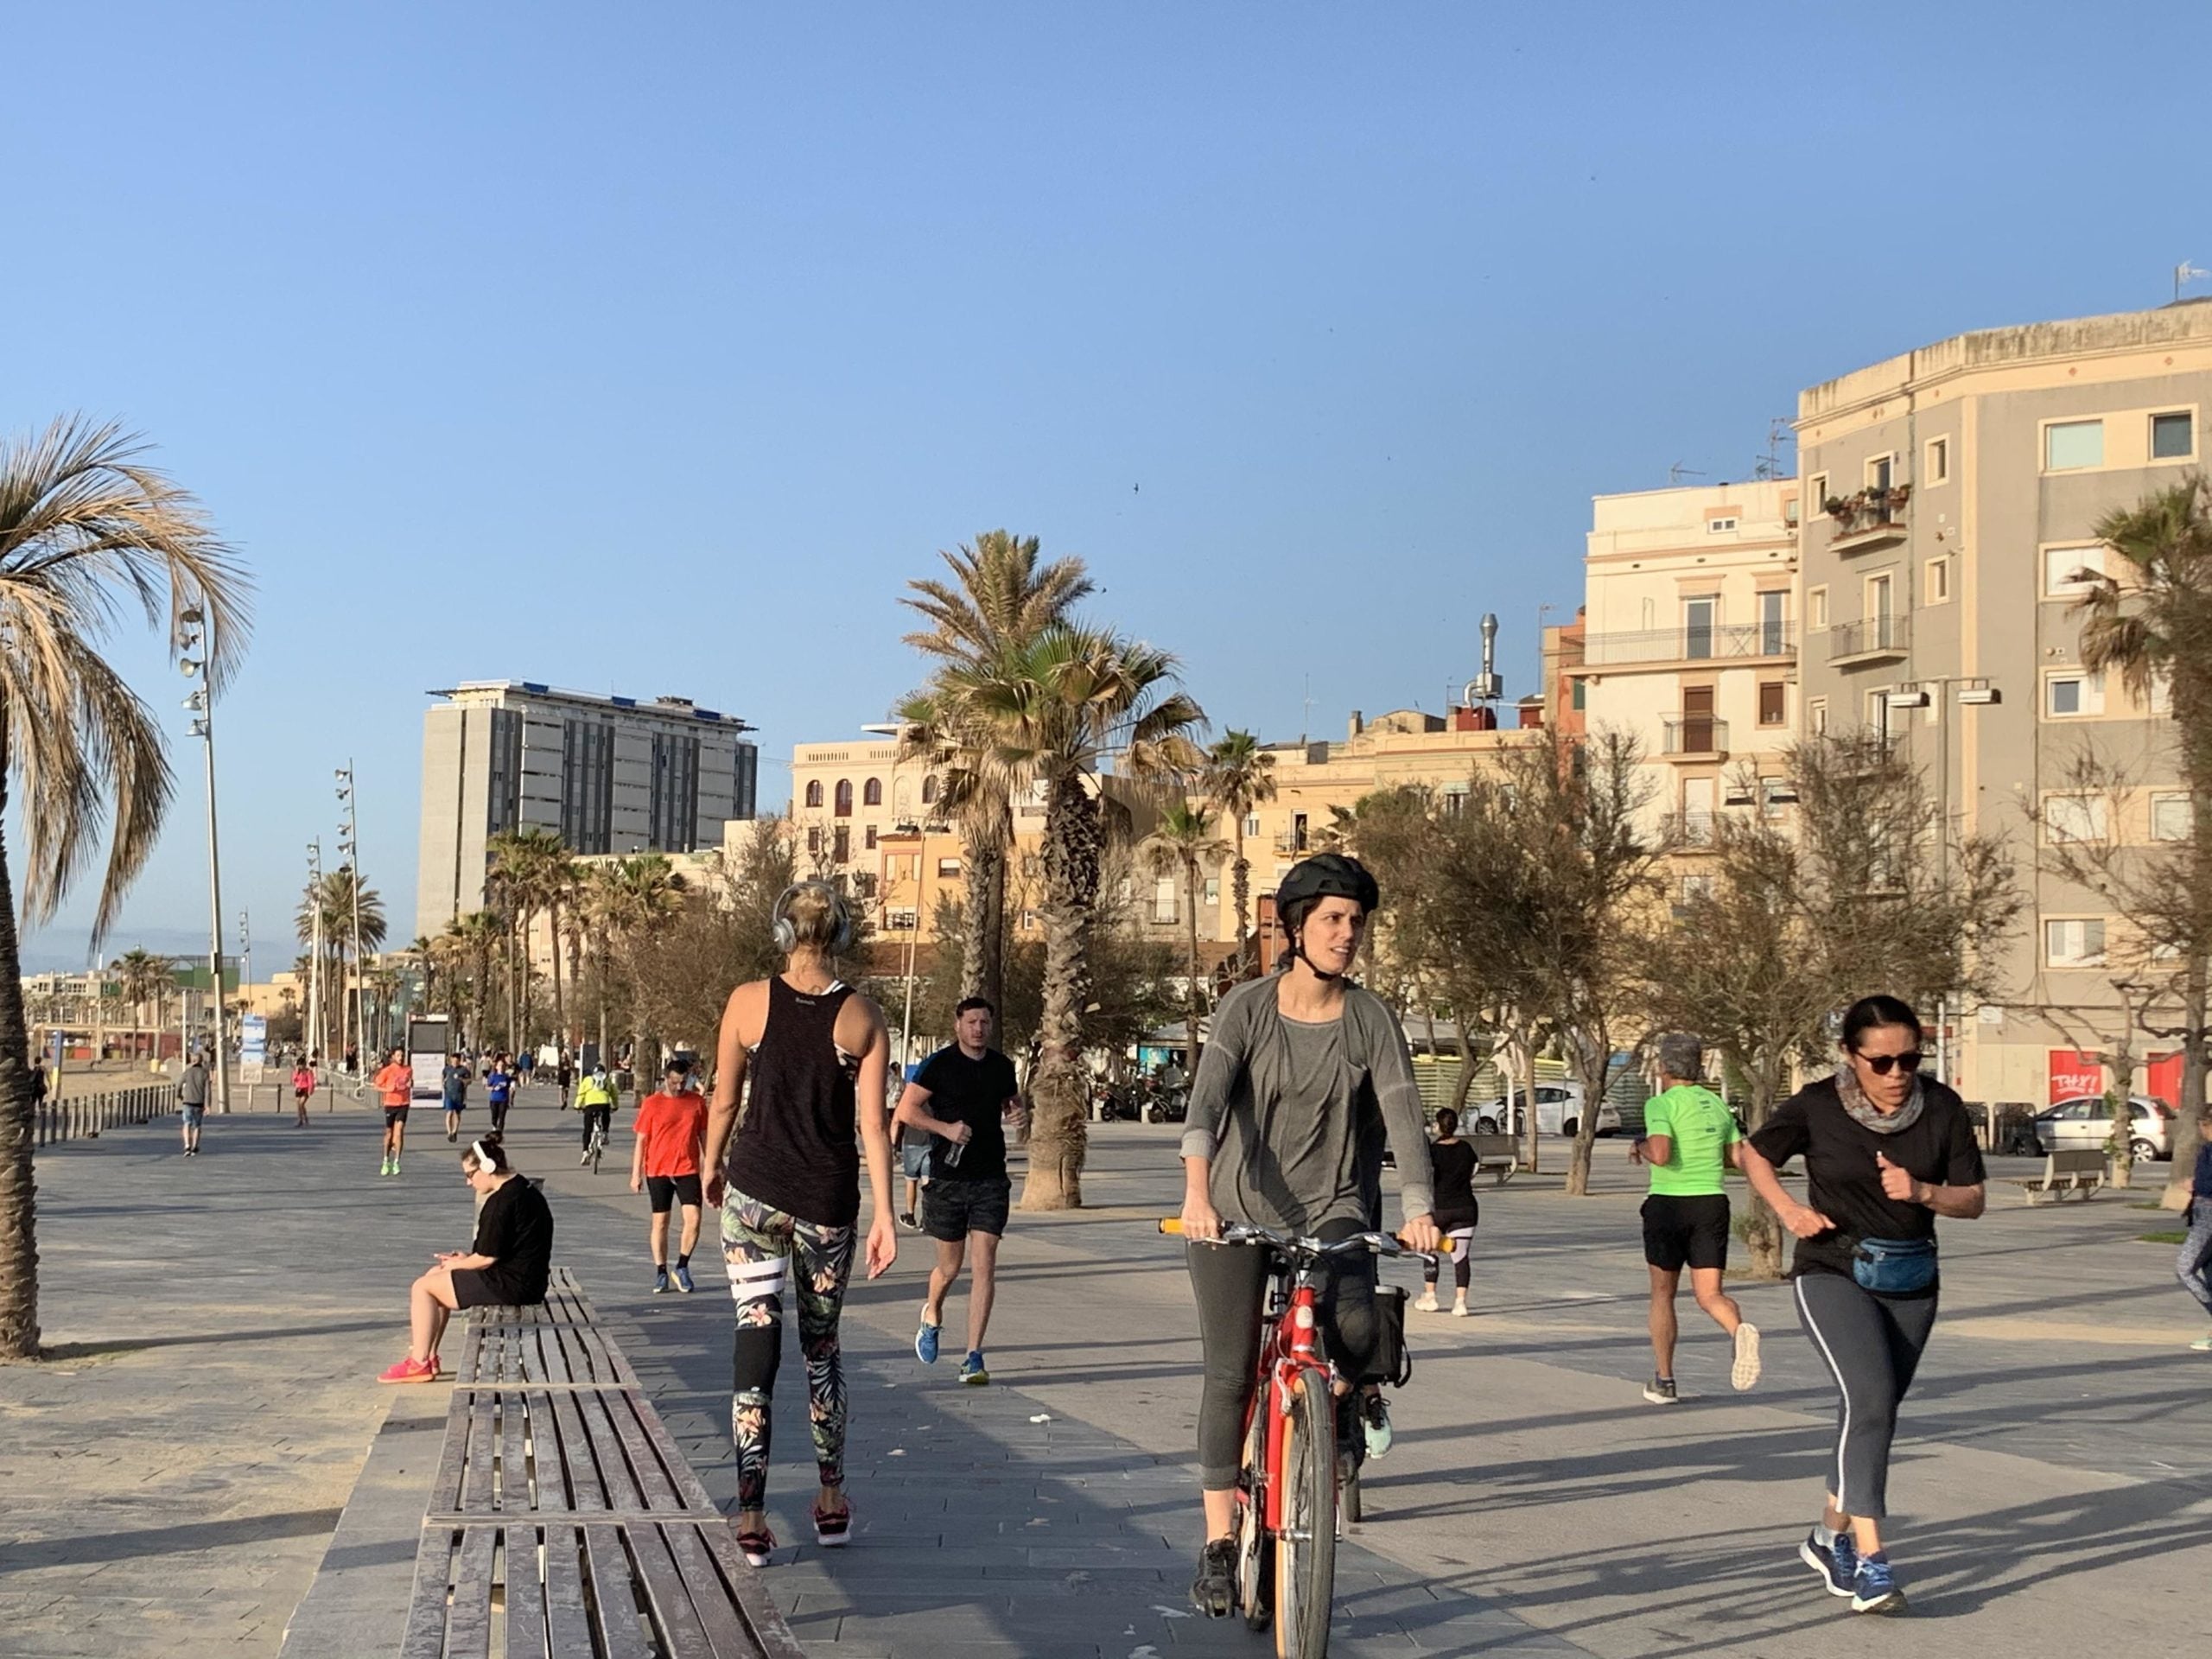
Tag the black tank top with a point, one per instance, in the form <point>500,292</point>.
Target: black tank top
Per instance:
<point>797,1146</point>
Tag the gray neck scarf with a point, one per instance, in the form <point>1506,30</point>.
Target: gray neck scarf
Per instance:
<point>1863,1110</point>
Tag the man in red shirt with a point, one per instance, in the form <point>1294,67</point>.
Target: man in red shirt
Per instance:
<point>672,1130</point>
<point>396,1088</point>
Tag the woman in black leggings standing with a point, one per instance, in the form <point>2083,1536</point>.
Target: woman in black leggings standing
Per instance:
<point>1451,1171</point>
<point>1886,1151</point>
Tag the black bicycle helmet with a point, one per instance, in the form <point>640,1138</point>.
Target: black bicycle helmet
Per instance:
<point>1328,876</point>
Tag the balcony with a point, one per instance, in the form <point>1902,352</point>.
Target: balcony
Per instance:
<point>1877,639</point>
<point>1695,737</point>
<point>1873,518</point>
<point>1294,843</point>
<point>1690,829</point>
<point>1742,641</point>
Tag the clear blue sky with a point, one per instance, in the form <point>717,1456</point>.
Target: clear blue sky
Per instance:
<point>653,348</point>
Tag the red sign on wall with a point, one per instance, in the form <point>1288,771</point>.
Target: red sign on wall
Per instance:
<point>2163,1080</point>
<point>2073,1073</point>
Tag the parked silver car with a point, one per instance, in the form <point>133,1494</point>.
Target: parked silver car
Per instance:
<point>1558,1111</point>
<point>2086,1122</point>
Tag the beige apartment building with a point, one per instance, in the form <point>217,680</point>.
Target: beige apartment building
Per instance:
<point>1690,643</point>
<point>847,797</point>
<point>1950,498</point>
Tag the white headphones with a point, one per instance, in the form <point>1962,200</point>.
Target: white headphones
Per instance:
<point>787,936</point>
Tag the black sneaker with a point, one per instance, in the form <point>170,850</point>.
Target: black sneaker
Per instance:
<point>908,1221</point>
<point>1213,1593</point>
<point>1660,1390</point>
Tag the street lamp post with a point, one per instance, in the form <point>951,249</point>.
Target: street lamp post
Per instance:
<point>318,1042</point>
<point>349,852</point>
<point>191,633</point>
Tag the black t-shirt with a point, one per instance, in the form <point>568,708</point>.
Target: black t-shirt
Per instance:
<point>1452,1169</point>
<point>515,1227</point>
<point>973,1092</point>
<point>1844,1183</point>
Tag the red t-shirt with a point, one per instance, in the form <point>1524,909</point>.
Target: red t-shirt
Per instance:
<point>672,1127</point>
<point>397,1083</point>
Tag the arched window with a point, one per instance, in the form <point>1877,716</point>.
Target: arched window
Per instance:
<point>814,793</point>
<point>929,790</point>
<point>844,808</point>
<point>872,792</point>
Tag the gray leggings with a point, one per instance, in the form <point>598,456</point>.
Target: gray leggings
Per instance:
<point>2193,1262</point>
<point>1873,1346</point>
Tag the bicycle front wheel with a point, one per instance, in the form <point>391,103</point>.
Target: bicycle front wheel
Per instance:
<point>1305,1549</point>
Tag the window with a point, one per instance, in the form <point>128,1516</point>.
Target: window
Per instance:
<point>1816,607</point>
<point>2068,446</point>
<point>1698,617</point>
<point>1773,641</point>
<point>1775,793</point>
<point>1790,512</point>
<point>2170,817</point>
<point>872,792</point>
<point>814,793</point>
<point>948,867</point>
<point>929,790</point>
<point>1937,468</point>
<point>1816,716</point>
<point>1720,526</point>
<point>814,836</point>
<point>870,841</point>
<point>841,846</point>
<point>844,807</point>
<point>1251,823</point>
<point>1773,702</point>
<point>1695,887</point>
<point>2074,692</point>
<point>1817,490</point>
<point>1880,471</point>
<point>1213,889</point>
<point>1163,899</point>
<point>1578,696</point>
<point>2161,698</point>
<point>2070,571</point>
<point>2078,943</point>
<point>2173,437</point>
<point>2076,817</point>
<point>1935,590</point>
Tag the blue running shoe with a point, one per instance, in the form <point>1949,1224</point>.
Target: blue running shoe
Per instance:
<point>1837,1563</point>
<point>1875,1588</point>
<point>925,1340</point>
<point>660,1281</point>
<point>682,1275</point>
<point>971,1369</point>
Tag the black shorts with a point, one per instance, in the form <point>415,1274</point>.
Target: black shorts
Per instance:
<point>394,1115</point>
<point>471,1288</point>
<point>664,1190</point>
<point>952,1209</point>
<point>1689,1231</point>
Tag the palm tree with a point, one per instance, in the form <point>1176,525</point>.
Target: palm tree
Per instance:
<point>1183,845</point>
<point>1239,776</point>
<point>537,873</point>
<point>2154,629</point>
<point>86,531</point>
<point>146,978</point>
<point>1047,714</point>
<point>334,896</point>
<point>624,903</point>
<point>1001,599</point>
<point>472,940</point>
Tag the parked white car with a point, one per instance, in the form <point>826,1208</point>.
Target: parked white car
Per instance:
<point>1558,1111</point>
<point>2086,1122</point>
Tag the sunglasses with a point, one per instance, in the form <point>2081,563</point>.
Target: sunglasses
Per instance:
<point>1882,1064</point>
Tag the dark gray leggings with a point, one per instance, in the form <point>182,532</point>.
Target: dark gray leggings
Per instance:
<point>1229,1281</point>
<point>1873,1346</point>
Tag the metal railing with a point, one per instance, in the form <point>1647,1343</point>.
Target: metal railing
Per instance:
<point>1695,734</point>
<point>1294,841</point>
<point>81,1117</point>
<point>1690,643</point>
<point>1891,633</point>
<point>1691,829</point>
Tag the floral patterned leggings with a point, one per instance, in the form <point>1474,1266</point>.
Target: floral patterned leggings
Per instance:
<point>762,1247</point>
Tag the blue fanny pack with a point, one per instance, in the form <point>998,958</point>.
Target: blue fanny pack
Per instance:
<point>1893,1266</point>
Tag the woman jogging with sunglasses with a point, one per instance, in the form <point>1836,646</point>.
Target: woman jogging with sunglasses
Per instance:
<point>1886,1151</point>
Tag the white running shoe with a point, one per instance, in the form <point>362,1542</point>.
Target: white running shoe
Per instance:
<point>1746,1370</point>
<point>1427,1302</point>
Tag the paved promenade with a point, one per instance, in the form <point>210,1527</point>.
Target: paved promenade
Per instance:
<point>169,1485</point>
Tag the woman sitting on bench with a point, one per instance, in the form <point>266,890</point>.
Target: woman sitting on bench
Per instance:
<point>508,1268</point>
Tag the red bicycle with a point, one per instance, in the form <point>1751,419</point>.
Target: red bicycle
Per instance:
<point>1288,1500</point>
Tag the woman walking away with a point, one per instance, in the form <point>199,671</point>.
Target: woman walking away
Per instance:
<point>1886,1151</point>
<point>508,1267</point>
<point>1451,1170</point>
<point>789,1188</point>
<point>302,1089</point>
<point>2193,1267</point>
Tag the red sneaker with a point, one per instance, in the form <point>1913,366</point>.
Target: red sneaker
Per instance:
<point>409,1370</point>
<point>832,1529</point>
<point>755,1546</point>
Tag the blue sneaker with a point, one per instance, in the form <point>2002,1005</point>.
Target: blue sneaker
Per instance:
<point>1875,1588</point>
<point>971,1369</point>
<point>1837,1563</point>
<point>925,1340</point>
<point>683,1278</point>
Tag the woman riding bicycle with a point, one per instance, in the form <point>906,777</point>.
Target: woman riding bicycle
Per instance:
<point>1298,1066</point>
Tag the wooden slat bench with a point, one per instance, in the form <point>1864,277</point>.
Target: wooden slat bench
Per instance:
<point>2081,1171</point>
<point>563,1522</point>
<point>1496,1155</point>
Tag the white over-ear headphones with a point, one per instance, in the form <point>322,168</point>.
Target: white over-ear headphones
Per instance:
<point>841,912</point>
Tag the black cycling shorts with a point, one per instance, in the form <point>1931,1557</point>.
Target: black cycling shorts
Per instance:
<point>664,1190</point>
<point>952,1209</point>
<point>1688,1231</point>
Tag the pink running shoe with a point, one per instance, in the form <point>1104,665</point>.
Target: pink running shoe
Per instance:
<point>409,1370</point>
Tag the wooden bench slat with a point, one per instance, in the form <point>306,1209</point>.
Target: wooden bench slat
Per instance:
<point>729,1607</point>
<point>468,1628</point>
<point>624,1487</point>
<point>453,1454</point>
<point>568,1627</point>
<point>426,1613</point>
<point>584,1490</point>
<point>718,1539</point>
<point>614,1597</point>
<point>517,1490</point>
<point>525,1595</point>
<point>675,1619</point>
<point>646,1467</point>
<point>483,1443</point>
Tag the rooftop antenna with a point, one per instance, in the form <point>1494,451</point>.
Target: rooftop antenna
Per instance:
<point>1307,735</point>
<point>2186,272</point>
<point>1769,464</point>
<point>1486,687</point>
<point>1678,472</point>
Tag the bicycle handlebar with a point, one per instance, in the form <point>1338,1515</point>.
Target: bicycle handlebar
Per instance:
<point>1244,1232</point>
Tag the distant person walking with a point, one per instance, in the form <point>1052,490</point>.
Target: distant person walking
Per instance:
<point>2193,1266</point>
<point>302,1089</point>
<point>962,1098</point>
<point>395,1086</point>
<point>1451,1171</point>
<point>671,1135</point>
<point>508,1266</point>
<point>499,1091</point>
<point>817,1053</point>
<point>1886,1151</point>
<point>192,1099</point>
<point>453,1087</point>
<point>565,1075</point>
<point>1690,1141</point>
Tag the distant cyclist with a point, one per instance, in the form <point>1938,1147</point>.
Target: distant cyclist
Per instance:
<point>595,1098</point>
<point>1298,1063</point>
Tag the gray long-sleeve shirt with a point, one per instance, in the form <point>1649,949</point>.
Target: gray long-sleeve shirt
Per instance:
<point>1286,1110</point>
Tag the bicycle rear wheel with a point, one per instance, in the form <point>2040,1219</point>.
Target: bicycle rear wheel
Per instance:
<point>1305,1548</point>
